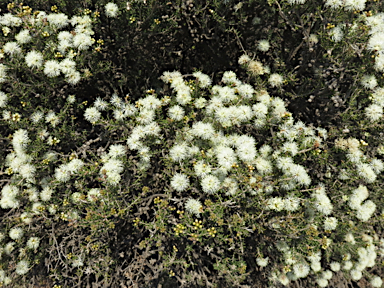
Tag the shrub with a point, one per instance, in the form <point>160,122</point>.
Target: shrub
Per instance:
<point>206,182</point>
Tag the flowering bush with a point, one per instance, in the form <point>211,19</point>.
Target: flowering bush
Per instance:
<point>208,181</point>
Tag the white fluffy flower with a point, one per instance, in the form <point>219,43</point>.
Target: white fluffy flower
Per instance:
<point>20,138</point>
<point>322,203</point>
<point>275,203</point>
<point>244,59</point>
<point>93,194</point>
<point>230,186</point>
<point>336,34</point>
<point>27,171</point>
<point>354,5</point>
<point>183,96</point>
<point>23,36</point>
<point>376,281</point>
<point>10,20</point>
<point>203,80</point>
<point>176,113</point>
<point>67,66</point>
<point>3,99</point>
<point>210,184</point>
<point>33,243</point>
<point>180,182</point>
<point>202,169</point>
<point>179,152</point>
<point>46,194</point>
<point>117,150</point>
<point>62,174</point>
<point>92,114</point>
<point>356,274</point>
<point>291,203</point>
<point>119,115</point>
<point>334,4</point>
<point>365,211</point>
<point>348,265</point>
<point>82,41</point>
<point>263,45</point>
<point>262,262</point>
<point>374,112</point>
<point>313,39</point>
<point>226,94</point>
<point>78,262</point>
<point>100,104</point>
<point>76,197</point>
<point>22,267</point>
<point>193,206</point>
<point>245,90</point>
<point>379,62</point>
<point>59,20</point>
<point>16,233</point>
<point>335,266</point>
<point>52,68</point>
<point>203,130</point>
<point>3,73</point>
<point>290,147</point>
<point>63,46</point>
<point>111,10</point>
<point>292,2</point>
<point>377,165</point>
<point>330,223</point>
<point>11,48</point>
<point>26,218</point>
<point>366,172</point>
<point>369,81</point>
<point>229,77</point>
<point>301,270</point>
<point>264,166</point>
<point>275,80</point>
<point>260,110</point>
<point>259,123</point>
<point>146,116</point>
<point>65,36</point>
<point>375,42</point>
<point>73,77</point>
<point>150,102</point>
<point>9,247</point>
<point>200,102</point>
<point>322,282</point>
<point>52,118</point>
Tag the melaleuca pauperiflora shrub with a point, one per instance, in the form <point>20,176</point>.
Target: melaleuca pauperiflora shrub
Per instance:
<point>207,180</point>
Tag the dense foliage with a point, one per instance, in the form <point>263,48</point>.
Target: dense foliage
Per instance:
<point>191,143</point>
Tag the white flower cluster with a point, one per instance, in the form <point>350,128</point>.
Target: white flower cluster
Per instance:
<point>363,211</point>
<point>80,39</point>
<point>183,95</point>
<point>367,171</point>
<point>18,161</point>
<point>111,10</point>
<point>64,171</point>
<point>336,33</point>
<point>228,150</point>
<point>194,206</point>
<point>322,202</point>
<point>295,172</point>
<point>146,116</point>
<point>375,43</point>
<point>113,166</point>
<point>203,80</point>
<point>374,111</point>
<point>348,5</point>
<point>262,262</point>
<point>290,203</point>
